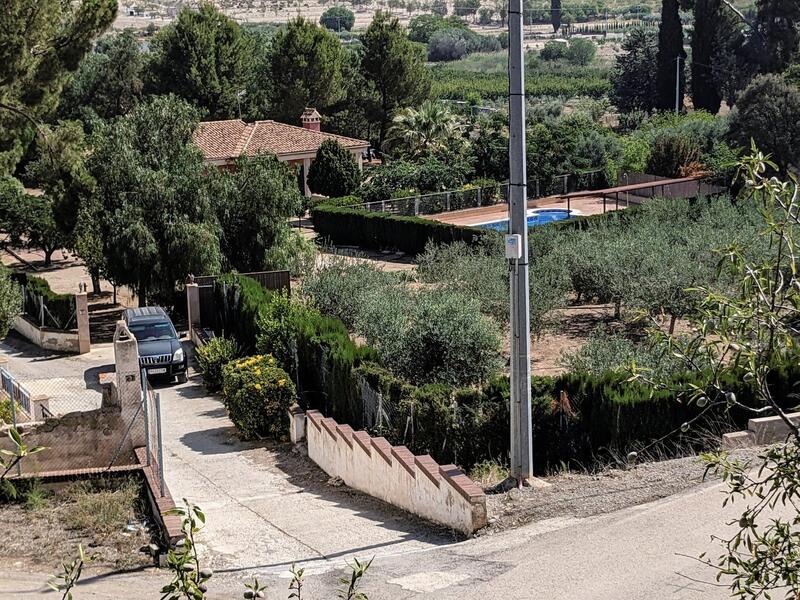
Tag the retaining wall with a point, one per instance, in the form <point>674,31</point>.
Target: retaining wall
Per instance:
<point>440,493</point>
<point>761,431</point>
<point>59,340</point>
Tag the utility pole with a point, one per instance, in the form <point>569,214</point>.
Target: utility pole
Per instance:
<point>678,85</point>
<point>517,253</point>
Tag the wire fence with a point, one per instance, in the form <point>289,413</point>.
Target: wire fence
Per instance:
<point>86,428</point>
<point>56,314</point>
<point>477,197</point>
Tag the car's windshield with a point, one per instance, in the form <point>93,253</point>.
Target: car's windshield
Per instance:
<point>148,332</point>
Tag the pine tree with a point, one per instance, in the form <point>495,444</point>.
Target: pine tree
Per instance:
<point>41,42</point>
<point>705,92</point>
<point>670,49</point>
<point>778,27</point>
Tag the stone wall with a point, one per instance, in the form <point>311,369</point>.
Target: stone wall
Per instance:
<point>439,493</point>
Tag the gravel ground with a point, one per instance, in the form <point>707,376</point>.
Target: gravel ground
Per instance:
<point>584,495</point>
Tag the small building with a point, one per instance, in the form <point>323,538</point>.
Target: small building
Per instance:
<point>222,142</point>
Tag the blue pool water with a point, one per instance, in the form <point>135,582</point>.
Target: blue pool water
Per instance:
<point>540,217</point>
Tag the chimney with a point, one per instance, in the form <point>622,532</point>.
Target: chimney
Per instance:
<point>310,119</point>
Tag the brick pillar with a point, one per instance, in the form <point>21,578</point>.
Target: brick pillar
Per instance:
<point>82,317</point>
<point>297,424</point>
<point>193,304</point>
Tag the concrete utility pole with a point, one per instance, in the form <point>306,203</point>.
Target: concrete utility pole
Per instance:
<point>517,253</point>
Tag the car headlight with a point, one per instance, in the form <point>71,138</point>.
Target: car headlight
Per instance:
<point>177,356</point>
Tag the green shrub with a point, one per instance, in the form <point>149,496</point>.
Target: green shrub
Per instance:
<point>60,311</point>
<point>672,153</point>
<point>553,50</point>
<point>580,51</point>
<point>334,171</point>
<point>292,252</point>
<point>212,358</point>
<point>378,230</point>
<point>258,394</point>
<point>340,201</point>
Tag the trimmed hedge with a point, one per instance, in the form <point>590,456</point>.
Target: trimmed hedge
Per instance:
<point>378,230</point>
<point>604,413</point>
<point>60,306</point>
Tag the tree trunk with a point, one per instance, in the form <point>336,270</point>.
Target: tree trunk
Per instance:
<point>142,293</point>
<point>95,275</point>
<point>617,308</point>
<point>672,320</point>
<point>48,256</point>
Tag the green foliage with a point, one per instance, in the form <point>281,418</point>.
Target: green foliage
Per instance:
<point>444,171</point>
<point>750,328</point>
<point>549,79</point>
<point>580,51</point>
<point>705,92</point>
<point>291,251</point>
<point>108,82</point>
<point>672,154</point>
<point>633,76</point>
<point>41,42</point>
<point>768,113</point>
<point>608,351</point>
<point>203,57</point>
<point>553,50</point>
<point>254,203</point>
<point>670,48</point>
<point>431,335</point>
<point>395,66</point>
<point>334,171</point>
<point>338,18</point>
<point>455,43</point>
<point>157,221</point>
<point>426,131</point>
<point>305,69</point>
<point>257,394</point>
<point>380,230</point>
<point>211,359</point>
<point>60,307</point>
<point>422,27</point>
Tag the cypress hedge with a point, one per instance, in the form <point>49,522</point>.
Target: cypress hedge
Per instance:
<point>380,231</point>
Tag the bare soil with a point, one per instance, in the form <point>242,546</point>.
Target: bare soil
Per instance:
<point>47,535</point>
<point>583,494</point>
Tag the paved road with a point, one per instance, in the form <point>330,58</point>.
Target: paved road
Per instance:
<point>633,554</point>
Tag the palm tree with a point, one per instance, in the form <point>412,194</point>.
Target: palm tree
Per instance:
<point>415,132</point>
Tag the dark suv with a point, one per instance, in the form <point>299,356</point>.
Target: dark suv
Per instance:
<point>160,350</point>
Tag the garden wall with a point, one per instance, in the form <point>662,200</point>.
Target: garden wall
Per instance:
<point>75,341</point>
<point>442,494</point>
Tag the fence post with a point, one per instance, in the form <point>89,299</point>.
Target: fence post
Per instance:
<point>416,206</point>
<point>447,200</point>
<point>13,403</point>
<point>41,311</point>
<point>160,445</point>
<point>479,196</point>
<point>146,401</point>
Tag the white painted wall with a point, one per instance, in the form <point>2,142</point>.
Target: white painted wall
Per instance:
<point>448,498</point>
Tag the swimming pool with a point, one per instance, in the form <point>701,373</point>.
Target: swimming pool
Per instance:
<point>536,216</point>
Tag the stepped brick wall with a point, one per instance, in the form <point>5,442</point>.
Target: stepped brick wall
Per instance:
<point>439,493</point>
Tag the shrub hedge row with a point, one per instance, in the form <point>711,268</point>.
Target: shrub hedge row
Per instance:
<point>60,306</point>
<point>601,414</point>
<point>378,230</point>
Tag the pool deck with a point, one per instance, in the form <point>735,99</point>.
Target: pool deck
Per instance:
<point>487,214</point>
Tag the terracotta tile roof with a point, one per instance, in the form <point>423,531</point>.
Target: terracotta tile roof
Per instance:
<point>219,140</point>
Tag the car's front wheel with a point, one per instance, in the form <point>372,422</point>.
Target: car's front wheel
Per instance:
<point>182,378</point>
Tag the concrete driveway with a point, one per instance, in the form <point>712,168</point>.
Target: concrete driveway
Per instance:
<point>268,506</point>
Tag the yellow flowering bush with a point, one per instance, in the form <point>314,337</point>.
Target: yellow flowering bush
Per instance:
<point>257,394</point>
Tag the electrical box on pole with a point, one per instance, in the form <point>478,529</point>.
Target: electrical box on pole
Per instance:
<point>521,435</point>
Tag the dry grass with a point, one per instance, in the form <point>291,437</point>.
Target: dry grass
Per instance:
<point>488,473</point>
<point>102,508</point>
